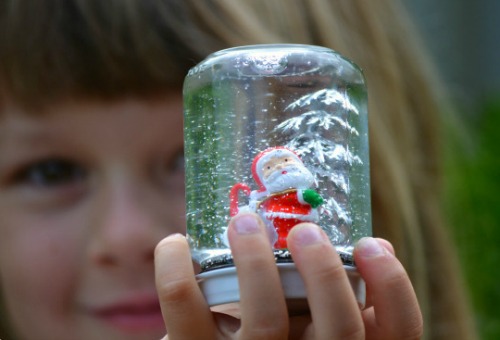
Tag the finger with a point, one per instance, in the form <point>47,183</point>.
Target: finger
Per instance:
<point>334,310</point>
<point>228,318</point>
<point>263,308</point>
<point>395,312</point>
<point>182,302</point>
<point>388,246</point>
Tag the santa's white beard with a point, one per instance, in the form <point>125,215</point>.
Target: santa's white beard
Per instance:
<point>295,177</point>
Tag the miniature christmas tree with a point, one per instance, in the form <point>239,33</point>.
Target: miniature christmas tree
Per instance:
<point>320,133</point>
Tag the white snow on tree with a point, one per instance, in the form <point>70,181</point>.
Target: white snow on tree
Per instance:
<point>320,132</point>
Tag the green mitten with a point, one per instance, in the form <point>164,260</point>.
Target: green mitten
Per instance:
<point>312,197</point>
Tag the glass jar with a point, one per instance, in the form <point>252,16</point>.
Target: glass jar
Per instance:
<point>280,130</point>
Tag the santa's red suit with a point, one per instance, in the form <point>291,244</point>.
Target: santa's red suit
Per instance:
<point>283,183</point>
<point>285,210</point>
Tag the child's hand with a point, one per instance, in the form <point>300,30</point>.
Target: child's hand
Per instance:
<point>392,312</point>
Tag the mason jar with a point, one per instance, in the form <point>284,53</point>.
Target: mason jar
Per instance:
<point>282,131</point>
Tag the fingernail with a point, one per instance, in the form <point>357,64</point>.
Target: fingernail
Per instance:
<point>369,247</point>
<point>246,224</point>
<point>175,236</point>
<point>306,235</point>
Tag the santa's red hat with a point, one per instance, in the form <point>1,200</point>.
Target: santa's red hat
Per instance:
<point>266,155</point>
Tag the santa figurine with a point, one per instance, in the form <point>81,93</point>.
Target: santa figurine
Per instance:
<point>284,197</point>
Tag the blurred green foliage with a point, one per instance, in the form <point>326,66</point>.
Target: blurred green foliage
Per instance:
<point>473,207</point>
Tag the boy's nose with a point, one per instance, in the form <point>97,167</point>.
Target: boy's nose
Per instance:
<point>128,224</point>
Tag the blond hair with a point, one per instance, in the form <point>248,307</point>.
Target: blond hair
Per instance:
<point>405,103</point>
<point>107,49</point>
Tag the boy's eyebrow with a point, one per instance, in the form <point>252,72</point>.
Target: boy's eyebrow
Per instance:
<point>23,137</point>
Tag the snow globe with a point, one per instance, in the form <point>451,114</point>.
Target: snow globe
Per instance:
<point>280,130</point>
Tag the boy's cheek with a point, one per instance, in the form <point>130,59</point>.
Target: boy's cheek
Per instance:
<point>36,245</point>
<point>35,268</point>
<point>35,249</point>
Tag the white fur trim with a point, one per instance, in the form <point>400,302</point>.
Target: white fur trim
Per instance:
<point>300,197</point>
<point>311,217</point>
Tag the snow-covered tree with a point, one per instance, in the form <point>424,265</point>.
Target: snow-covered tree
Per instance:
<point>320,132</point>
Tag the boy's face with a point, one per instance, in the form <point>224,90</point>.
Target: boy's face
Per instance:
<point>86,193</point>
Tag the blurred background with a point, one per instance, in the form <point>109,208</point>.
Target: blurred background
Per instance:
<point>463,37</point>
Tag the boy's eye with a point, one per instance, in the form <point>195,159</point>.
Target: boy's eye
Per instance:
<point>51,172</point>
<point>172,171</point>
<point>177,163</point>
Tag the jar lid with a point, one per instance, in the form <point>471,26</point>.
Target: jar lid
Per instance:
<point>220,286</point>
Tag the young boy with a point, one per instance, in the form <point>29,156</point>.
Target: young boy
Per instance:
<point>91,180</point>
<point>87,190</point>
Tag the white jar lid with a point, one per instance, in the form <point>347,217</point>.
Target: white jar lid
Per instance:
<point>220,286</point>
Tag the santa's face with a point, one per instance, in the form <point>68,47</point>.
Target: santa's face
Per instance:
<point>285,172</point>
